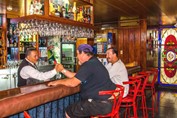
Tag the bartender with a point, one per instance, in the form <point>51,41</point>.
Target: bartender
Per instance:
<point>29,74</point>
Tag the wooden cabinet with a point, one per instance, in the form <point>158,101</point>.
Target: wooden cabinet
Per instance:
<point>73,10</point>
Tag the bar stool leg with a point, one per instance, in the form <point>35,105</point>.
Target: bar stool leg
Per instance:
<point>145,112</point>
<point>154,102</point>
<point>135,111</point>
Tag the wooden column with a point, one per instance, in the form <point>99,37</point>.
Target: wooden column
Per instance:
<point>143,57</point>
<point>46,8</point>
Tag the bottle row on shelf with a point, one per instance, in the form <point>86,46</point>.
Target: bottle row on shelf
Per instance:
<point>24,45</point>
<point>62,8</point>
<point>69,11</point>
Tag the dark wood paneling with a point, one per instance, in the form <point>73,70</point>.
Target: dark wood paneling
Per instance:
<point>120,42</point>
<point>137,45</point>
<point>132,40</point>
<point>131,45</point>
<point>125,48</point>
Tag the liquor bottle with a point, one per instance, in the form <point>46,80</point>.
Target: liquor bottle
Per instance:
<point>31,10</point>
<point>30,38</point>
<point>88,15</point>
<point>66,10</point>
<point>70,12</point>
<point>78,14</point>
<point>21,38</point>
<point>34,37</point>
<point>74,11</point>
<point>15,43</point>
<point>81,14</point>
<point>84,14</point>
<point>26,37</point>
<point>63,11</point>
<point>52,9</point>
<point>59,10</point>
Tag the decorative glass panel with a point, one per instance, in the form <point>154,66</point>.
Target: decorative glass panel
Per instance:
<point>169,56</point>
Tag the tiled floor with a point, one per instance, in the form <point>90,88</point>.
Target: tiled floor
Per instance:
<point>167,104</point>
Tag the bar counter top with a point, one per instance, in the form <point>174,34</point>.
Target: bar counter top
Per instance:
<point>133,69</point>
<point>31,96</point>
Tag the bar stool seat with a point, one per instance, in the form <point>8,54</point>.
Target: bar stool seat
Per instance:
<point>117,95</point>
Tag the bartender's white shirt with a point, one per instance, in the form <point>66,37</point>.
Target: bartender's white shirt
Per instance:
<point>118,74</point>
<point>30,72</point>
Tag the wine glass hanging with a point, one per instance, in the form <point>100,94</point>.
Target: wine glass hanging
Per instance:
<point>46,28</point>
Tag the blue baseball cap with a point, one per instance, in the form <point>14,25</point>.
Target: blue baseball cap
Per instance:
<point>85,48</point>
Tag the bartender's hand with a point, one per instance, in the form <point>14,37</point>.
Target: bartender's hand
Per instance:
<point>53,83</point>
<point>59,67</point>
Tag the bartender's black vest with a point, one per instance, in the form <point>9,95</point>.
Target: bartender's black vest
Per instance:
<point>21,81</point>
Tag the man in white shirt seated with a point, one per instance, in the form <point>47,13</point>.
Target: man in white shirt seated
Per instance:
<point>116,68</point>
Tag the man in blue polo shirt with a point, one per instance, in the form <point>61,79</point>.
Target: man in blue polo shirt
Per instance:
<point>92,77</point>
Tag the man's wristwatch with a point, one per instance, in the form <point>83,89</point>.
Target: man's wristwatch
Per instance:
<point>63,71</point>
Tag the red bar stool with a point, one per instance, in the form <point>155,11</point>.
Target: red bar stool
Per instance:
<point>130,100</point>
<point>26,115</point>
<point>151,86</point>
<point>117,95</point>
<point>141,91</point>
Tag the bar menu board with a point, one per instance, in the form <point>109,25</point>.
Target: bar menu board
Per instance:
<point>101,40</point>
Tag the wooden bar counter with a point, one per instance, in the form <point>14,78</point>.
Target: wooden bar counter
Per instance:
<point>14,101</point>
<point>32,96</point>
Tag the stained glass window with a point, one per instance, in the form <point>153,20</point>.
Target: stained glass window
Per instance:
<point>169,56</point>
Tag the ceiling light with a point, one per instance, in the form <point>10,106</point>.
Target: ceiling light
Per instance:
<point>9,8</point>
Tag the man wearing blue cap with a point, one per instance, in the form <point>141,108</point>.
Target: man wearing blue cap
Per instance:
<point>92,77</point>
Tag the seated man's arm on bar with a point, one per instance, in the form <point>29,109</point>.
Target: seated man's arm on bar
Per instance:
<point>67,73</point>
<point>70,82</point>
